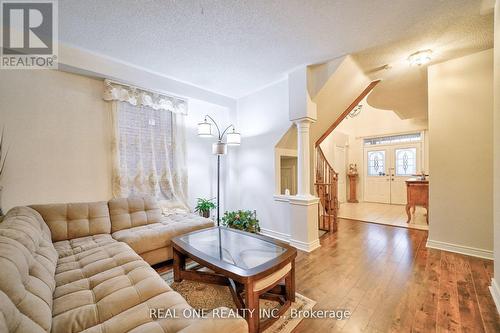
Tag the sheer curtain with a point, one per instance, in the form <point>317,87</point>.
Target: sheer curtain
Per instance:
<point>149,157</point>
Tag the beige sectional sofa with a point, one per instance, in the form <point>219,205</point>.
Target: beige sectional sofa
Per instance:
<point>137,221</point>
<point>76,268</point>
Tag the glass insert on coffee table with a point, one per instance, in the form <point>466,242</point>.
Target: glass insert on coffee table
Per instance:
<point>253,266</point>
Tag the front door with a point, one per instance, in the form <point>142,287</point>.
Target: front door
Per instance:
<point>377,180</point>
<point>386,169</point>
<point>405,163</point>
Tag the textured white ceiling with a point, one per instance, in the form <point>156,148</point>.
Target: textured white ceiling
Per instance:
<point>235,47</point>
<point>404,87</point>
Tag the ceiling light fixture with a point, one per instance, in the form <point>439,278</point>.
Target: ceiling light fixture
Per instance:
<point>420,58</point>
<point>355,111</point>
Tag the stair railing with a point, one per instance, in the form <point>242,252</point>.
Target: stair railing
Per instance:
<point>326,184</point>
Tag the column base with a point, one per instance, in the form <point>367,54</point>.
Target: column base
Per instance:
<point>304,200</point>
<point>304,222</point>
<point>303,246</point>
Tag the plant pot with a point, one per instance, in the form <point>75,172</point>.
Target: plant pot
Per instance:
<point>205,214</point>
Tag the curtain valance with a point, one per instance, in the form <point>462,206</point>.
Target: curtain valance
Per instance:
<point>114,91</point>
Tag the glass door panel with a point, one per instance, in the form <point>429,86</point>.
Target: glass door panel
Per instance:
<point>406,163</point>
<point>377,182</point>
<point>376,163</point>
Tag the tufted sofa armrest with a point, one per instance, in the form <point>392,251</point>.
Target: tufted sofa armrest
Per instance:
<point>27,267</point>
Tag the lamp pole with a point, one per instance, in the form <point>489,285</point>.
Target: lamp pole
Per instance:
<point>219,148</point>
<point>218,189</point>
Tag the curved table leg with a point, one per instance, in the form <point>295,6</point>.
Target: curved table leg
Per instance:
<point>408,212</point>
<point>252,309</point>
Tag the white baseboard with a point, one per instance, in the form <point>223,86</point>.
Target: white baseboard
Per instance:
<point>275,234</point>
<point>495,293</point>
<point>303,246</point>
<point>307,247</point>
<point>467,250</point>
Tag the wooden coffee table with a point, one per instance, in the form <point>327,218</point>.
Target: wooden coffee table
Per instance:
<point>253,266</point>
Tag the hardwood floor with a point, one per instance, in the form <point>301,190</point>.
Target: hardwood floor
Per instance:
<point>387,214</point>
<point>391,282</point>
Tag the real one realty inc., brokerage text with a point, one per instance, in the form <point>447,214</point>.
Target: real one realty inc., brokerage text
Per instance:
<point>225,313</point>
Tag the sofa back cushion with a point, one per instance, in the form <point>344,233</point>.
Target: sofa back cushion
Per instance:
<point>27,263</point>
<point>132,212</point>
<point>74,220</point>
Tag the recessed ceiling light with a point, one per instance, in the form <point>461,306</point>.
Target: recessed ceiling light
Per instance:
<point>420,58</point>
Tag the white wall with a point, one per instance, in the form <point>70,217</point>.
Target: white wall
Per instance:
<point>202,164</point>
<point>496,149</point>
<point>461,154</point>
<point>344,85</point>
<point>58,130</point>
<point>263,119</point>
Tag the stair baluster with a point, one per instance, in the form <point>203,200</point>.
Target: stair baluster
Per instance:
<point>326,184</point>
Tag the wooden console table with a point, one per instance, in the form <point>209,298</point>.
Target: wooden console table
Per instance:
<point>417,194</point>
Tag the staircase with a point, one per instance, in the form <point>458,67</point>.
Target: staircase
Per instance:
<point>326,183</point>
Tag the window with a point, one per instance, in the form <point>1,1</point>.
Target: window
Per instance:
<point>385,140</point>
<point>145,138</point>
<point>376,163</point>
<point>406,161</point>
<point>145,154</point>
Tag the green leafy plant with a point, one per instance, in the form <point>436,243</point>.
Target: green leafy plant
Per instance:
<point>242,220</point>
<point>203,206</point>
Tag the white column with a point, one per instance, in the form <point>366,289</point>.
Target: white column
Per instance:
<point>304,206</point>
<point>303,158</point>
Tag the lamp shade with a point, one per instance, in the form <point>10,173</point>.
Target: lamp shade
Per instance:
<point>233,139</point>
<point>219,148</point>
<point>204,129</point>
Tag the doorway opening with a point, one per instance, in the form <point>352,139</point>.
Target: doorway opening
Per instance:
<point>375,154</point>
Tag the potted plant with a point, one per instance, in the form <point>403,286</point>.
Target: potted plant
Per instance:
<point>242,220</point>
<point>3,158</point>
<point>203,206</point>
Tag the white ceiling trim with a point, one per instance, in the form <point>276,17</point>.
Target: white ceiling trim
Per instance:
<point>89,63</point>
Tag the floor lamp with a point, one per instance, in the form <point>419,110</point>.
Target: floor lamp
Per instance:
<point>219,148</point>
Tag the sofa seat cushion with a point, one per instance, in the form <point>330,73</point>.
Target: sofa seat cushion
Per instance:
<point>73,246</point>
<point>109,289</point>
<point>181,220</point>
<point>159,235</point>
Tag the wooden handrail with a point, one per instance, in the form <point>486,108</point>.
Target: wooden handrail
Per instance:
<point>326,179</point>
<point>347,111</point>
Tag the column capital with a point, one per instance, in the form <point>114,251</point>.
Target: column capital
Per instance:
<point>306,121</point>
